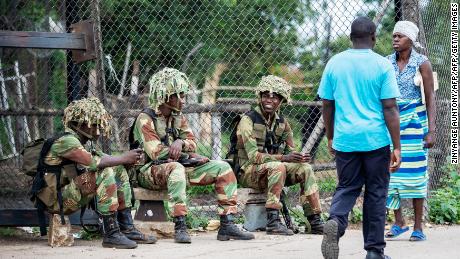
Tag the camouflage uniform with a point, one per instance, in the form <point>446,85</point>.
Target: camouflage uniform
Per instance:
<point>261,170</point>
<point>110,185</point>
<point>82,180</point>
<point>175,177</point>
<point>156,134</point>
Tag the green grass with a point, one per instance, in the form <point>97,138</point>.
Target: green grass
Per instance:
<point>89,236</point>
<point>7,231</point>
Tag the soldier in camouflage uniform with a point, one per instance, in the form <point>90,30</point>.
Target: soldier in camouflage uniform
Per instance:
<point>268,160</point>
<point>168,138</point>
<point>100,175</point>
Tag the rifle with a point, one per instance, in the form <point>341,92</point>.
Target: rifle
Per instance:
<point>286,215</point>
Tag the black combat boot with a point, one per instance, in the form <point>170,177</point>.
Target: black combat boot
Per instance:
<point>125,220</point>
<point>316,224</point>
<point>113,238</point>
<point>228,230</point>
<point>180,231</point>
<point>274,225</point>
<point>376,255</point>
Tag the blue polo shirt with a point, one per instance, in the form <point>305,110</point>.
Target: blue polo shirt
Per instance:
<point>357,80</point>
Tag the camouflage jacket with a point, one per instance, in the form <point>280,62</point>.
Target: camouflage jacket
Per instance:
<point>252,151</point>
<point>69,147</point>
<point>149,133</point>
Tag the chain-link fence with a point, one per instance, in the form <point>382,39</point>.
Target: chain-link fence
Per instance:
<point>225,46</point>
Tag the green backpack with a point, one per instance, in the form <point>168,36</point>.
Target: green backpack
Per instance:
<point>34,165</point>
<point>31,156</point>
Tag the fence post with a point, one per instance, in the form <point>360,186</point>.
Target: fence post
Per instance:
<point>5,105</point>
<point>216,136</point>
<point>314,136</point>
<point>95,14</point>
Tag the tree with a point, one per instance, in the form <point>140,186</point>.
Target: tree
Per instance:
<point>248,36</point>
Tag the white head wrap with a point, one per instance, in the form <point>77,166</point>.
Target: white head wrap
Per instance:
<point>409,29</point>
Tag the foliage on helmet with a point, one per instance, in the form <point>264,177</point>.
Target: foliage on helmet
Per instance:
<point>274,84</point>
<point>165,83</point>
<point>88,111</point>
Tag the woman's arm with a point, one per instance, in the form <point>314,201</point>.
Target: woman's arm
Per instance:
<point>430,102</point>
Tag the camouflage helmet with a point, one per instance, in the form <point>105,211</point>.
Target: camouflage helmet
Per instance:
<point>90,111</point>
<point>165,83</point>
<point>274,84</point>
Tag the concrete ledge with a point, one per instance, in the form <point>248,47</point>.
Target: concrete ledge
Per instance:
<point>162,230</point>
<point>251,196</point>
<point>150,195</point>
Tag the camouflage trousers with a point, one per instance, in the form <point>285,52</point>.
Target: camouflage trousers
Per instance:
<point>174,177</point>
<point>273,176</point>
<point>110,186</point>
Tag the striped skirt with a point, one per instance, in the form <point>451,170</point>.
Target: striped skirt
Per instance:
<point>411,180</point>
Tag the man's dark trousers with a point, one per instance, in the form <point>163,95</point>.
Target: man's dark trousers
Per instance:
<point>355,169</point>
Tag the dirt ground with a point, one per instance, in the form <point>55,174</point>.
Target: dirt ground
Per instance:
<point>443,242</point>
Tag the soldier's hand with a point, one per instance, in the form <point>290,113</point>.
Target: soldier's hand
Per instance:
<point>202,159</point>
<point>306,157</point>
<point>133,156</point>
<point>294,157</point>
<point>175,149</point>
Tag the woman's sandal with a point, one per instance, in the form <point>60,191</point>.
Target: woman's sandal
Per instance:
<point>417,235</point>
<point>395,231</point>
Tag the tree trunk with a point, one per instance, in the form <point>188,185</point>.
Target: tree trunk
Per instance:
<point>411,12</point>
<point>209,97</point>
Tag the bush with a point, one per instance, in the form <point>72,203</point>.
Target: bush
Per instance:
<point>445,201</point>
<point>327,184</point>
<point>356,215</point>
<point>194,220</point>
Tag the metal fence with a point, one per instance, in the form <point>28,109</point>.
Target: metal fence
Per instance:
<point>225,46</point>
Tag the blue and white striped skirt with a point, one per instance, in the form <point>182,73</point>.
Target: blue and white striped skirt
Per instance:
<point>411,180</point>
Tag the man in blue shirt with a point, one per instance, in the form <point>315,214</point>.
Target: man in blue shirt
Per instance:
<point>359,91</point>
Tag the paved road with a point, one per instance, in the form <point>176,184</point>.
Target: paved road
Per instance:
<point>443,242</point>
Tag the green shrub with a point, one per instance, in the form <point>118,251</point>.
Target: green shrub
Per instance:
<point>445,202</point>
<point>194,221</point>
<point>7,231</point>
<point>356,215</point>
<point>327,184</point>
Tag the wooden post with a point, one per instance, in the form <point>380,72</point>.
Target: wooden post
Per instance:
<point>92,83</point>
<point>216,136</point>
<point>95,14</point>
<point>134,89</point>
<point>125,71</point>
<point>5,105</point>
<point>24,133</point>
<point>317,133</point>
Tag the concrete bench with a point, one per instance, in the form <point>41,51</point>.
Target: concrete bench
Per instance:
<point>252,202</point>
<point>151,216</point>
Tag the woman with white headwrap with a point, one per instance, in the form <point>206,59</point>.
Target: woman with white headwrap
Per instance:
<point>417,129</point>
